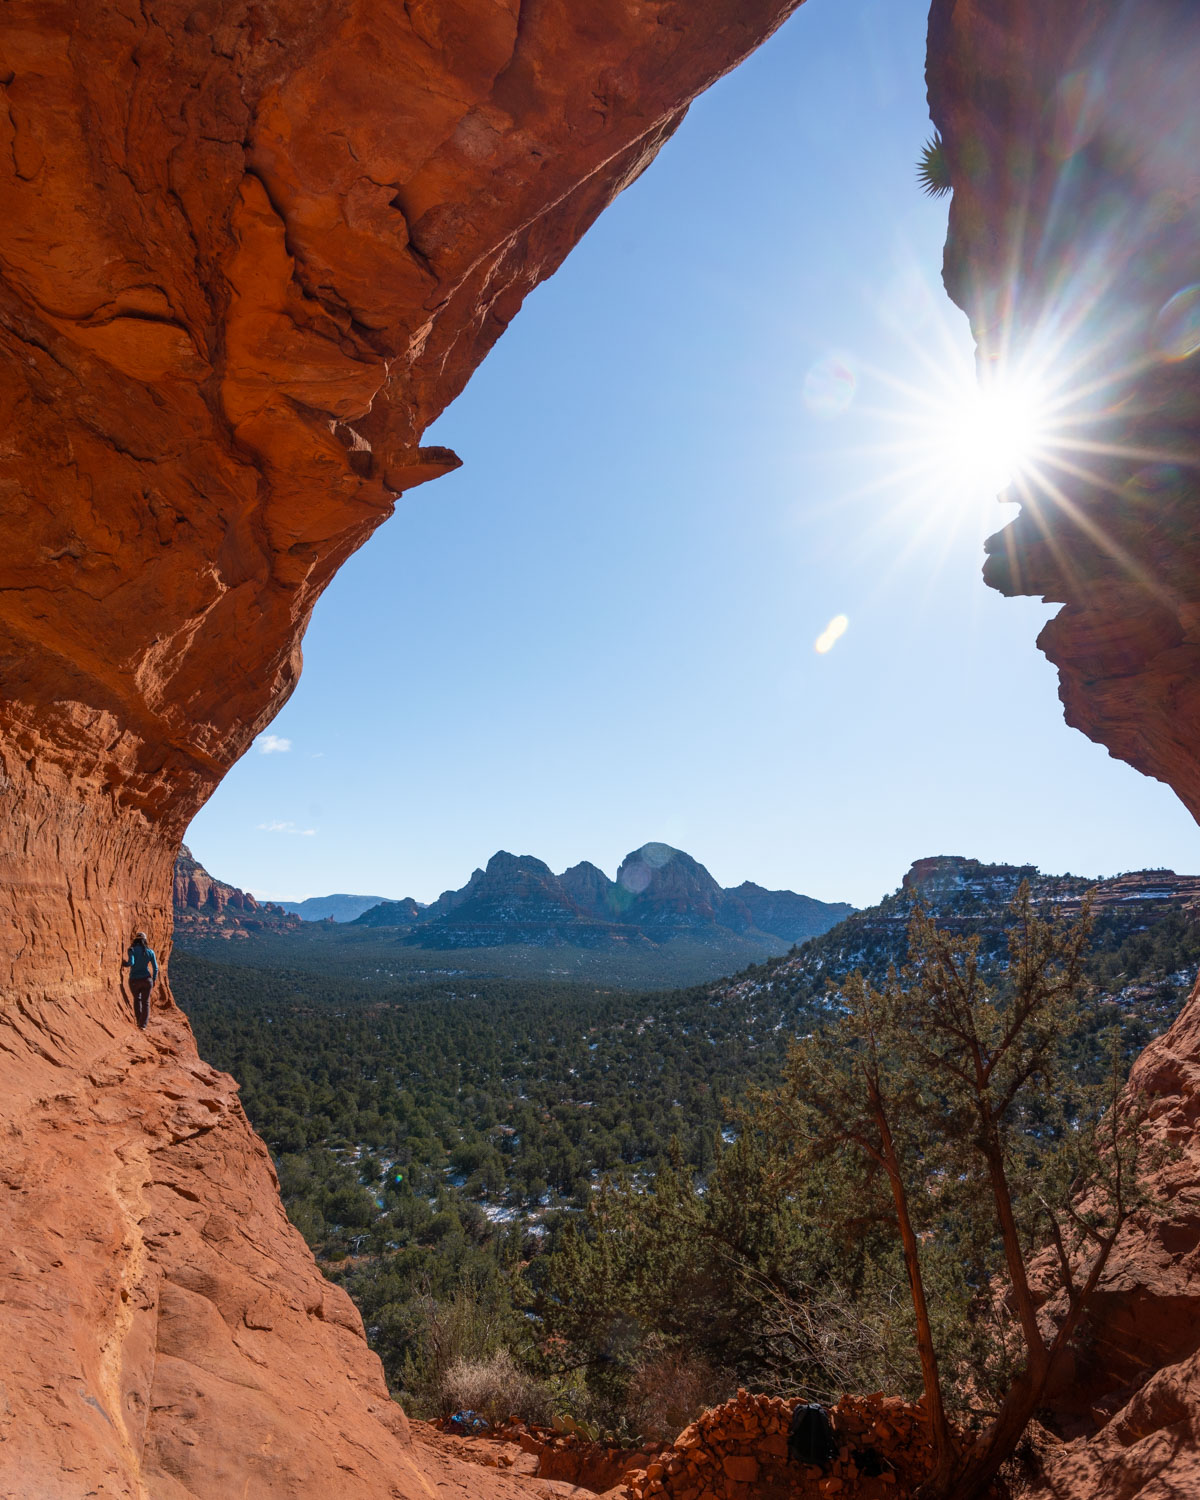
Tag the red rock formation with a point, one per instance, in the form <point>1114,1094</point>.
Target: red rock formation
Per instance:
<point>248,250</point>
<point>565,1458</point>
<point>204,907</point>
<point>1071,136</point>
<point>1128,1405</point>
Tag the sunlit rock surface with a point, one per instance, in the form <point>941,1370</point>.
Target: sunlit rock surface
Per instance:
<point>247,253</point>
<point>1072,137</point>
<point>203,906</point>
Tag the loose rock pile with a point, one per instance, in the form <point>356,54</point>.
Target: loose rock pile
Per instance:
<point>593,1466</point>
<point>566,1456</point>
<point>738,1451</point>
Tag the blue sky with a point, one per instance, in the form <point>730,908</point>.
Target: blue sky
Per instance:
<point>722,424</point>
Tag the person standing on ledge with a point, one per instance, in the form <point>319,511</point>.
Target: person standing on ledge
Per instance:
<point>143,971</point>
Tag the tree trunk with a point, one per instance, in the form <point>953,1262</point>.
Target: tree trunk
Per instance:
<point>945,1456</point>
<point>1011,1240</point>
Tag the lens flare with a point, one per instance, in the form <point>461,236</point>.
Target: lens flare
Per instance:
<point>829,387</point>
<point>832,633</point>
<point>1176,332</point>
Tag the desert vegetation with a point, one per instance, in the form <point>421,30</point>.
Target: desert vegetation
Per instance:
<point>616,1208</point>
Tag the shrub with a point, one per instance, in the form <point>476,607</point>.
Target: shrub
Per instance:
<point>495,1387</point>
<point>933,170</point>
<point>670,1388</point>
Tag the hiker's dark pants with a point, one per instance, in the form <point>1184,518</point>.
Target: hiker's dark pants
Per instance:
<point>140,989</point>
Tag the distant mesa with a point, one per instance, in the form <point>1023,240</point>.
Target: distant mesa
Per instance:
<point>660,893</point>
<point>972,899</point>
<point>340,907</point>
<point>952,882</point>
<point>207,907</point>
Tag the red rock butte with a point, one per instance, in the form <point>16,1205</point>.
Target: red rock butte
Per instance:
<point>248,251</point>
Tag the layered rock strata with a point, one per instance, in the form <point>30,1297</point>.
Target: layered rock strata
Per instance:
<point>247,252</point>
<point>659,894</point>
<point>206,907</point>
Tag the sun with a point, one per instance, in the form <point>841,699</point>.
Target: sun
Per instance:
<point>993,435</point>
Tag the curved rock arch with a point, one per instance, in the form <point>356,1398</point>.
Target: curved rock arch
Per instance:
<point>249,250</point>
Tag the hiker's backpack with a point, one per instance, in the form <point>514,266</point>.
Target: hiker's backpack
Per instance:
<point>868,1462</point>
<point>810,1437</point>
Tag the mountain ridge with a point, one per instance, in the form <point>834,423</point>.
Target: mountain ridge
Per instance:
<point>971,898</point>
<point>660,892</point>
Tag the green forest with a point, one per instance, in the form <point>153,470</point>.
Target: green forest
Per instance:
<point>568,1186</point>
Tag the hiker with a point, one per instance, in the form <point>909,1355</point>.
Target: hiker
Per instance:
<point>143,971</point>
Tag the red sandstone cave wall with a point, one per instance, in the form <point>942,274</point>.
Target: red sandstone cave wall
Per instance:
<point>247,252</point>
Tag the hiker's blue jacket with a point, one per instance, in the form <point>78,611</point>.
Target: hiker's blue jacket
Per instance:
<point>142,963</point>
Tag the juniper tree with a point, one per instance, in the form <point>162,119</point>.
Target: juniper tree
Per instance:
<point>958,1096</point>
<point>672,1266</point>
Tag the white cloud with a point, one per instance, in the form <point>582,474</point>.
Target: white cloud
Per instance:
<point>272,744</point>
<point>277,827</point>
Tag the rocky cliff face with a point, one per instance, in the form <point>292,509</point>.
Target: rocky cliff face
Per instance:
<point>247,253</point>
<point>952,886</point>
<point>1127,1408</point>
<point>205,907</point>
<point>591,891</point>
<point>1071,135</point>
<point>665,889</point>
<point>518,899</point>
<point>660,893</point>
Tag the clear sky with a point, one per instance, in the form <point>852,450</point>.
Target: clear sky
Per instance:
<point>735,414</point>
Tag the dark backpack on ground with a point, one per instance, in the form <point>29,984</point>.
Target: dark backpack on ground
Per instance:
<point>868,1462</point>
<point>810,1437</point>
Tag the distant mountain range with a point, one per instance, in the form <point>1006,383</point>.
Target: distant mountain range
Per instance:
<point>337,908</point>
<point>664,921</point>
<point>660,893</point>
